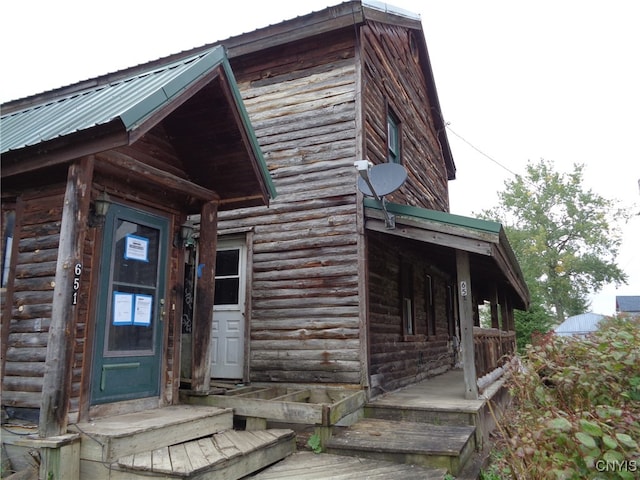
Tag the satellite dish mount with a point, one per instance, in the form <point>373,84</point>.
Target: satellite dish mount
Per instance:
<point>380,180</point>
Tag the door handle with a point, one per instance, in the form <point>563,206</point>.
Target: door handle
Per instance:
<point>162,310</point>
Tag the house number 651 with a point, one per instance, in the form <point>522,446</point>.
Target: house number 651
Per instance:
<point>77,270</point>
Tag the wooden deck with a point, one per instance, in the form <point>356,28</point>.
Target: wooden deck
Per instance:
<point>311,466</point>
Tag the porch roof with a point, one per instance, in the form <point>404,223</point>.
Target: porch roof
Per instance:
<point>109,112</point>
<point>485,240</point>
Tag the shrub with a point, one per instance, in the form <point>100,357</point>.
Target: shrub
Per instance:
<point>576,407</point>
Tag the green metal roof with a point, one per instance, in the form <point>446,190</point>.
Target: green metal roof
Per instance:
<point>130,100</point>
<point>438,216</point>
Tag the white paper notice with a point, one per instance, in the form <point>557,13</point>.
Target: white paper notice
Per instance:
<point>137,248</point>
<point>142,313</point>
<point>122,308</point>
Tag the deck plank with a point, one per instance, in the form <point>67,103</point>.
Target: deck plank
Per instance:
<point>196,456</point>
<point>210,451</point>
<point>383,435</point>
<point>142,461</point>
<point>311,466</point>
<point>228,449</point>
<point>161,460</point>
<point>180,461</point>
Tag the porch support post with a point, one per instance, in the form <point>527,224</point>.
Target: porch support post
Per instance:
<point>56,387</point>
<point>203,312</point>
<point>465,306</point>
<point>495,319</point>
<point>504,312</point>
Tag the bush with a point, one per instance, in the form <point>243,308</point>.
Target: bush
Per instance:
<point>576,407</point>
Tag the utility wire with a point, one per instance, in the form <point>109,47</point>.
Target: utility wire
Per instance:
<point>479,151</point>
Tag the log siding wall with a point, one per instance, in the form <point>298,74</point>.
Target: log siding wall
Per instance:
<point>36,238</point>
<point>394,79</point>
<point>396,359</point>
<point>305,308</point>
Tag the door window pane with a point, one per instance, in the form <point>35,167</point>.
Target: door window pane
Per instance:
<point>227,287</point>
<point>134,273</point>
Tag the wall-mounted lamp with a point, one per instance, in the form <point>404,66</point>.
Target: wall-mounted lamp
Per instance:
<point>99,211</point>
<point>184,237</point>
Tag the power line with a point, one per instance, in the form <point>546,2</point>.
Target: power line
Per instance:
<point>479,151</point>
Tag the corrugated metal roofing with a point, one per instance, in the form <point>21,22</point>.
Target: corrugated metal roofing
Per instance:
<point>628,304</point>
<point>130,100</point>
<point>579,324</point>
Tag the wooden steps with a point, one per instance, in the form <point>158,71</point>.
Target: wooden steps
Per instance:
<point>435,446</point>
<point>311,466</point>
<point>181,441</point>
<point>226,455</point>
<point>107,439</point>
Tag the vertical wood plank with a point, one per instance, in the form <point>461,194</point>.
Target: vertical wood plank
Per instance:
<point>465,305</point>
<point>56,388</point>
<point>201,341</point>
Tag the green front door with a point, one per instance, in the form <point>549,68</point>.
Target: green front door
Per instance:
<point>132,285</point>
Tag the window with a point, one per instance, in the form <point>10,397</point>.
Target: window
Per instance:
<point>429,305</point>
<point>406,288</point>
<point>7,244</point>
<point>393,138</point>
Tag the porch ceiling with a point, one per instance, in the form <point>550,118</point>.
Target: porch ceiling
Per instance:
<point>491,255</point>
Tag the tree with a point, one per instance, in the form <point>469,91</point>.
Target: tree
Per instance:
<point>566,238</point>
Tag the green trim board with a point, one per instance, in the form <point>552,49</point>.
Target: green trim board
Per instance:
<point>473,235</point>
<point>437,216</point>
<point>247,125</point>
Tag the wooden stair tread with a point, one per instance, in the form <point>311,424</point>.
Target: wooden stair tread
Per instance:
<point>204,454</point>
<point>408,437</point>
<point>124,425</point>
<point>308,466</point>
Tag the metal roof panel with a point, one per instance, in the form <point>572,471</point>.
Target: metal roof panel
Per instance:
<point>130,100</point>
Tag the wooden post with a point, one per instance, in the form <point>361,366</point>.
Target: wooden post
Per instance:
<point>465,306</point>
<point>203,311</point>
<point>56,388</point>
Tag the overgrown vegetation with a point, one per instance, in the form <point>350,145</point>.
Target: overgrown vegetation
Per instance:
<point>576,408</point>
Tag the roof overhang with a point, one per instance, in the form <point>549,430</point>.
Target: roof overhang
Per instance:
<point>57,129</point>
<point>484,240</point>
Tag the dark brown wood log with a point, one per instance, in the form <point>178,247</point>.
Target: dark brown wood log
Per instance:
<point>56,389</point>
<point>201,356</point>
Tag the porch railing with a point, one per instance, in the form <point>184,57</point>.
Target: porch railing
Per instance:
<point>493,347</point>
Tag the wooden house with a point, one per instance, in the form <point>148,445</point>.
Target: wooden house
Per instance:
<point>106,314</point>
<point>326,293</point>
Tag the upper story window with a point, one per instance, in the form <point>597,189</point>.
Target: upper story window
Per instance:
<point>393,138</point>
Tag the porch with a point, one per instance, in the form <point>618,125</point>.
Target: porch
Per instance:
<point>420,431</point>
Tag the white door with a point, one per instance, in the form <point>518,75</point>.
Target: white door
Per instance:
<point>227,338</point>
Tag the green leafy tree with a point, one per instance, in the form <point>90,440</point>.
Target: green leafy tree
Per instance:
<point>566,238</point>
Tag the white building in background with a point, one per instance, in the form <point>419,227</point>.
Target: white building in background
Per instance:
<point>579,325</point>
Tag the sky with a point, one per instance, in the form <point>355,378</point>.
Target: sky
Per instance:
<point>518,81</point>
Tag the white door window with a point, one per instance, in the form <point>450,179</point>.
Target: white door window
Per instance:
<point>227,348</point>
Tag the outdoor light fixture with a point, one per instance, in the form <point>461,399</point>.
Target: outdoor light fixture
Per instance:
<point>184,237</point>
<point>98,214</point>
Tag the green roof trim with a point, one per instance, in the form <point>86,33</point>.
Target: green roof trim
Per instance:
<point>437,216</point>
<point>173,87</point>
<point>264,170</point>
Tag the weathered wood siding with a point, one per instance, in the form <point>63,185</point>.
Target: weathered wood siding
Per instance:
<point>393,79</point>
<point>30,293</point>
<point>305,318</point>
<point>36,238</point>
<point>396,359</point>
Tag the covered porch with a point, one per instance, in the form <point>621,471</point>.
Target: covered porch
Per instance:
<point>477,256</point>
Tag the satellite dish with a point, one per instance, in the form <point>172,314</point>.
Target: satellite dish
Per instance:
<point>384,178</point>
